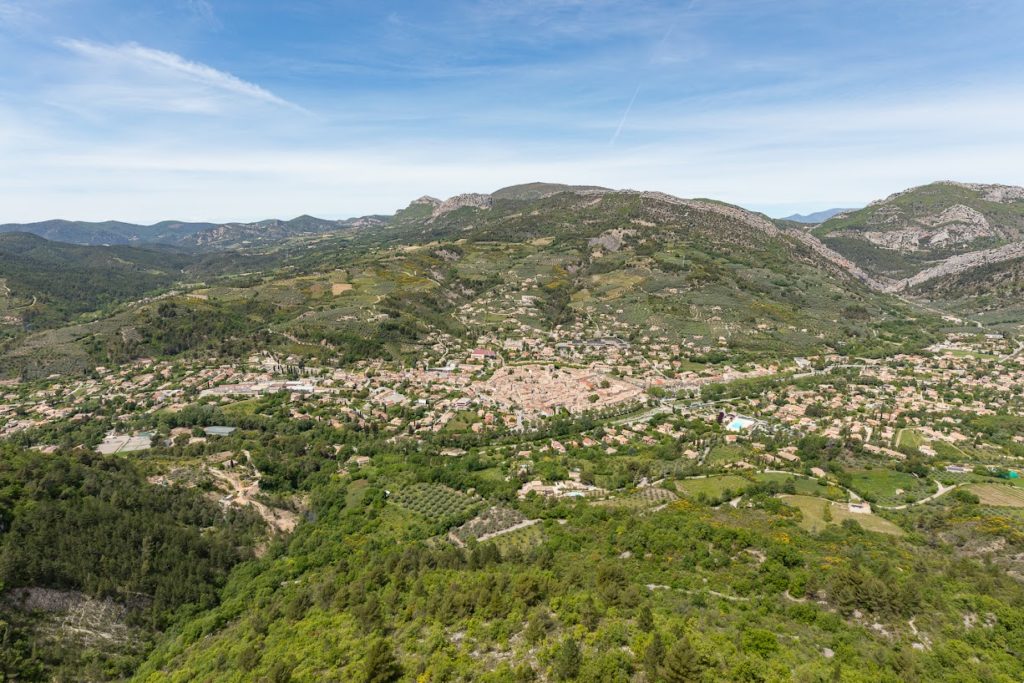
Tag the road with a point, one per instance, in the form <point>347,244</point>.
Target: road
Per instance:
<point>943,490</point>
<point>1017,352</point>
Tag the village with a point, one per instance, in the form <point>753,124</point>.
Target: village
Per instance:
<point>919,407</point>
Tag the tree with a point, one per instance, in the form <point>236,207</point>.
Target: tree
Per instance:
<point>653,655</point>
<point>381,664</point>
<point>682,664</point>
<point>645,619</point>
<point>567,660</point>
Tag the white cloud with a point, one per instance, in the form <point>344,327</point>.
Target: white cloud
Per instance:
<point>133,74</point>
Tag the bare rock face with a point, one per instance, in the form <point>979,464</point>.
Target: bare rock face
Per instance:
<point>611,240</point>
<point>954,225</point>
<point>479,201</point>
<point>1000,194</point>
<point>961,263</point>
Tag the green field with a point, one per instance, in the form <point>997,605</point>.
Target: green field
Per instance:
<point>881,486</point>
<point>804,485</point>
<point>520,539</point>
<point>712,487</point>
<point>436,501</point>
<point>726,453</point>
<point>813,510</point>
<point>642,498</point>
<point>910,438</point>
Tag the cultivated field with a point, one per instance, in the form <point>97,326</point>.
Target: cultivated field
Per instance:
<point>436,501</point>
<point>888,487</point>
<point>1000,495</point>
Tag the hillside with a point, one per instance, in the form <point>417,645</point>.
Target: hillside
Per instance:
<point>107,232</point>
<point>940,242</point>
<point>579,263</point>
<point>552,433</point>
<point>47,282</point>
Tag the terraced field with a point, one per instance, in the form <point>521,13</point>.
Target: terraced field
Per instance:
<point>1000,495</point>
<point>491,523</point>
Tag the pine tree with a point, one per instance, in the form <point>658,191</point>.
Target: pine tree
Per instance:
<point>381,664</point>
<point>653,655</point>
<point>681,664</point>
<point>645,619</point>
<point>567,660</point>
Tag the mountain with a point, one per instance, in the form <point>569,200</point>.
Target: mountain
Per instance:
<point>228,235</point>
<point>206,235</point>
<point>107,232</point>
<point>714,278</point>
<point>816,217</point>
<point>485,439</point>
<point>938,241</point>
<point>528,191</point>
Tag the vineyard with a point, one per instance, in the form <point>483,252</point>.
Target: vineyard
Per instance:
<point>490,523</point>
<point>437,502</point>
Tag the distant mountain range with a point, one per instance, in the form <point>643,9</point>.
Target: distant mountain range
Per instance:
<point>816,217</point>
<point>185,234</point>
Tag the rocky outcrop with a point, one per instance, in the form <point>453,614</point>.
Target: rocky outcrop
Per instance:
<point>1000,194</point>
<point>611,240</point>
<point>955,225</point>
<point>753,220</point>
<point>959,264</point>
<point>478,201</point>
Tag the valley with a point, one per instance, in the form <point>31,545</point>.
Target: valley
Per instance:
<point>528,435</point>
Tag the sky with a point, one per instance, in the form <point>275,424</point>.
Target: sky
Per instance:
<point>218,110</point>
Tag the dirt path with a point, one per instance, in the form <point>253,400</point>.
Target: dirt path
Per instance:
<point>241,494</point>
<point>731,598</point>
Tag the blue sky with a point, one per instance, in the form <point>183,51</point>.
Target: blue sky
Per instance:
<point>241,109</point>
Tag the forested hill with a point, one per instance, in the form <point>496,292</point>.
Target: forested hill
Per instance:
<point>53,281</point>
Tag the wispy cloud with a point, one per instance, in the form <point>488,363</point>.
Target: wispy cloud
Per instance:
<point>203,11</point>
<point>161,71</point>
<point>16,13</point>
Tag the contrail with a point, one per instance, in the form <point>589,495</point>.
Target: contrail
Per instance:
<point>625,115</point>
<point>664,39</point>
